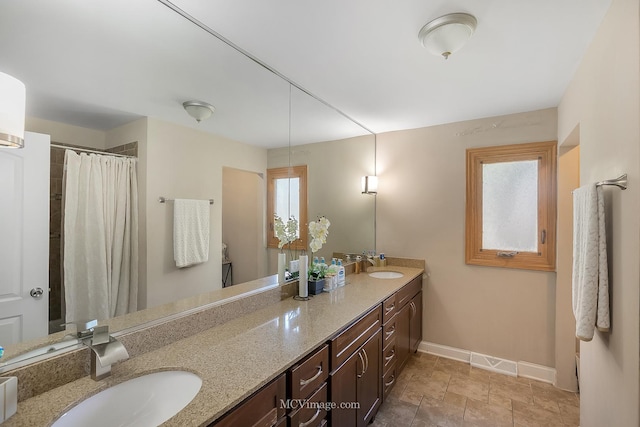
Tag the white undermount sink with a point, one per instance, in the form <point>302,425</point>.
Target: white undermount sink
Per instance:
<point>148,400</point>
<point>386,275</point>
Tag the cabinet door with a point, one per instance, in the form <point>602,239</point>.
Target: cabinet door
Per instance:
<point>343,390</point>
<point>415,326</point>
<point>369,385</point>
<point>403,343</point>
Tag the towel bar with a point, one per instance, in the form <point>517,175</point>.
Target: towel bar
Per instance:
<point>164,200</point>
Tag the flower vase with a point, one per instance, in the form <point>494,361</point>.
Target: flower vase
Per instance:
<point>282,261</point>
<point>303,289</point>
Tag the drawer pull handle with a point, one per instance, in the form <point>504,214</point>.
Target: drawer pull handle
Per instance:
<point>361,361</point>
<point>391,356</point>
<point>389,332</point>
<point>389,309</point>
<point>305,382</point>
<point>366,357</point>
<point>308,423</point>
<point>390,383</point>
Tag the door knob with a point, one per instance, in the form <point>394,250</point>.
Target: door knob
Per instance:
<point>36,292</point>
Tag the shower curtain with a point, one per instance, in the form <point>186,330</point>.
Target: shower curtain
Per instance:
<point>100,229</point>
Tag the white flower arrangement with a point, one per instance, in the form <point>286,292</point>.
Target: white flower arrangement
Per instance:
<point>318,230</point>
<point>285,233</point>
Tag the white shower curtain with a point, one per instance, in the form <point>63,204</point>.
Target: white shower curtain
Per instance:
<point>100,236</point>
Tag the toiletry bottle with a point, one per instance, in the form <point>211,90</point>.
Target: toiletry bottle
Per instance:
<point>383,260</point>
<point>356,268</point>
<point>341,275</point>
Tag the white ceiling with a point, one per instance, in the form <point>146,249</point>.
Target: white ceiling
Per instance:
<point>103,63</point>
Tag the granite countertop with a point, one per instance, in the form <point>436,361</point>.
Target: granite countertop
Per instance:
<point>236,358</point>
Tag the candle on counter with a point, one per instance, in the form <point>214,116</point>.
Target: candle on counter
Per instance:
<point>303,288</point>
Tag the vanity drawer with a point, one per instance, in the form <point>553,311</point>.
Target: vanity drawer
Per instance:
<point>264,408</point>
<point>389,331</point>
<point>307,376</point>
<point>349,340</point>
<point>408,291</point>
<point>388,381</point>
<point>313,412</point>
<point>389,356</point>
<point>389,308</point>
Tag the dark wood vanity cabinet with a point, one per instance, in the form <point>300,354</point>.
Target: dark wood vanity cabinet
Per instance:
<point>308,391</point>
<point>358,367</point>
<point>402,331</point>
<point>263,409</point>
<point>355,380</point>
<point>358,381</point>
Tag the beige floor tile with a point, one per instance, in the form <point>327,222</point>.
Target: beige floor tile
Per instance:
<point>555,394</point>
<point>480,414</point>
<point>500,400</point>
<point>452,366</point>
<point>439,413</point>
<point>570,414</point>
<point>508,379</point>
<point>396,413</point>
<point>546,403</point>
<point>422,423</point>
<point>433,386</point>
<point>514,391</point>
<point>455,399</point>
<point>527,415</point>
<point>469,387</point>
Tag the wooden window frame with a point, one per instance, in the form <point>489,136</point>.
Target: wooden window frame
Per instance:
<point>280,173</point>
<point>545,258</point>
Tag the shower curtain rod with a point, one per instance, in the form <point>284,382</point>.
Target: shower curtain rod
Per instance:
<point>86,150</point>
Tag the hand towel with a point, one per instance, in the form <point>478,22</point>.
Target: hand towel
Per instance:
<point>590,285</point>
<point>190,232</point>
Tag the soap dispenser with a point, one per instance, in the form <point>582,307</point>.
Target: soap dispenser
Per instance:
<point>341,275</point>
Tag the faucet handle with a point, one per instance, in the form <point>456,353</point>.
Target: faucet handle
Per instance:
<point>84,328</point>
<point>100,335</point>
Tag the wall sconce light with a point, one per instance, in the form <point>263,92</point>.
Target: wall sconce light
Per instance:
<point>12,111</point>
<point>199,110</point>
<point>448,33</point>
<point>370,184</point>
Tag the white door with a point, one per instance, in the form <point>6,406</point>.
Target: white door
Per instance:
<point>24,240</point>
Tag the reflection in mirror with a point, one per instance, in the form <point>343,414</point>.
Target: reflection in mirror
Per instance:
<point>138,105</point>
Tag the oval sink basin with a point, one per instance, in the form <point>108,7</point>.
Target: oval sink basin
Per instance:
<point>148,400</point>
<point>386,275</point>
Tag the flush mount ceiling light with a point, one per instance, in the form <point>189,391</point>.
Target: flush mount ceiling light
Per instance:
<point>12,111</point>
<point>199,110</point>
<point>448,33</point>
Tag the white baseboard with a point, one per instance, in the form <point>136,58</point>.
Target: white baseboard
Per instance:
<point>495,364</point>
<point>537,372</point>
<point>445,351</point>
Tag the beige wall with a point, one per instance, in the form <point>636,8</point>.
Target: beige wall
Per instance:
<point>68,134</point>
<point>243,212</point>
<point>604,100</point>
<point>568,180</point>
<point>334,169</point>
<point>186,163</point>
<point>420,213</point>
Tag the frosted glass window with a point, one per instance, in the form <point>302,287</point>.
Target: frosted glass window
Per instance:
<point>287,202</point>
<point>510,206</point>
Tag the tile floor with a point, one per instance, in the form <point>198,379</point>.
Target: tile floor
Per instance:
<point>435,392</point>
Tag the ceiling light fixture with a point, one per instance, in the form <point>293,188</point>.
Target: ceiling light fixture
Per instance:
<point>12,111</point>
<point>199,110</point>
<point>448,33</point>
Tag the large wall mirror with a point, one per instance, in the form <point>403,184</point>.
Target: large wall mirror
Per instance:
<point>144,60</point>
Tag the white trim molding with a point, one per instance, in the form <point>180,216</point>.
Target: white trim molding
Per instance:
<point>495,364</point>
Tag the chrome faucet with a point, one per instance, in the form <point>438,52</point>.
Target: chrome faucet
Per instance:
<point>105,349</point>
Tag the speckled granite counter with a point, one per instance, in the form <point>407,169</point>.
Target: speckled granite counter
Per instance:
<point>236,358</point>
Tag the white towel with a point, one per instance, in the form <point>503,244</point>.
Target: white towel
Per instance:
<point>190,232</point>
<point>590,271</point>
